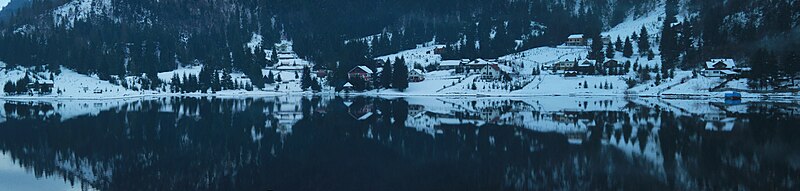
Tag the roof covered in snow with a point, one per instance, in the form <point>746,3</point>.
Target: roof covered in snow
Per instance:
<point>576,36</point>
<point>450,63</point>
<point>363,68</point>
<point>587,63</point>
<point>729,63</point>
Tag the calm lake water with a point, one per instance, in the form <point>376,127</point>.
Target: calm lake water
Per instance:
<point>415,143</point>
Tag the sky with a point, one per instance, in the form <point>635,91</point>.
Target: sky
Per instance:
<point>3,3</point>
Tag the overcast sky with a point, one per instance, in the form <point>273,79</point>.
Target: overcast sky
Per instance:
<point>3,3</point>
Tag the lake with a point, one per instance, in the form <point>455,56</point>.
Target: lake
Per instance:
<point>411,143</point>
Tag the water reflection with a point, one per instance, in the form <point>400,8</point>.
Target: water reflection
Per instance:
<point>417,143</point>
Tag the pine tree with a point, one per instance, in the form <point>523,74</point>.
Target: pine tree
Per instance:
<point>278,78</point>
<point>9,88</point>
<point>227,80</point>
<point>658,79</point>
<point>315,86</point>
<point>644,41</point>
<point>306,81</point>
<point>597,48</point>
<point>618,45</point>
<point>175,83</point>
<point>627,50</point>
<point>610,51</point>
<point>216,85</point>
<point>273,57</point>
<point>387,74</point>
<point>400,74</point>
<point>270,78</point>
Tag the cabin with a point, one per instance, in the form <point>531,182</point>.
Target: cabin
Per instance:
<point>720,68</point>
<point>576,40</point>
<point>416,75</point>
<point>361,73</point>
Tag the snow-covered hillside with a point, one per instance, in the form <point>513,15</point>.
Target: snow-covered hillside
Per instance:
<point>80,10</point>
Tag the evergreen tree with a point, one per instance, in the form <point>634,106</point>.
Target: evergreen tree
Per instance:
<point>618,45</point>
<point>278,78</point>
<point>610,51</point>
<point>597,48</point>
<point>270,78</point>
<point>216,85</point>
<point>227,81</point>
<point>315,86</point>
<point>400,74</point>
<point>306,81</point>
<point>9,88</point>
<point>387,75</point>
<point>175,83</point>
<point>204,78</point>
<point>644,42</point>
<point>273,57</point>
<point>627,50</point>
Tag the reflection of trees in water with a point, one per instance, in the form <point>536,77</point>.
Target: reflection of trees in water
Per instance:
<point>190,143</point>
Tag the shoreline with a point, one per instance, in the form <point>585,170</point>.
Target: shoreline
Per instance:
<point>396,94</point>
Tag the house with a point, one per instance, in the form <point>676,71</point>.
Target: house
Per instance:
<point>478,64</point>
<point>565,65</point>
<point>97,90</point>
<point>720,64</point>
<point>439,50</point>
<point>612,64</point>
<point>576,40</point>
<point>720,68</point>
<point>361,73</point>
<point>606,39</point>
<point>42,86</point>
<point>495,72</point>
<point>416,75</point>
<point>449,65</point>
<point>584,66</point>
<point>322,73</point>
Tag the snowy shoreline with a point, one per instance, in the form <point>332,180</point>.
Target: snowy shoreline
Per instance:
<point>394,94</point>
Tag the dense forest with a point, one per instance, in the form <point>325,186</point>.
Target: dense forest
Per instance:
<point>124,37</point>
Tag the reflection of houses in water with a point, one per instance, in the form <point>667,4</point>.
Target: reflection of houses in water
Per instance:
<point>361,111</point>
<point>287,112</point>
<point>415,110</point>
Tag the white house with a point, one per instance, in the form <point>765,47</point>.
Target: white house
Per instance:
<point>495,71</point>
<point>576,40</point>
<point>416,75</point>
<point>720,68</point>
<point>449,64</point>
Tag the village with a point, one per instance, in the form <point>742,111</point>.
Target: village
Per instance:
<point>530,72</point>
<point>562,70</point>
<point>559,70</point>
